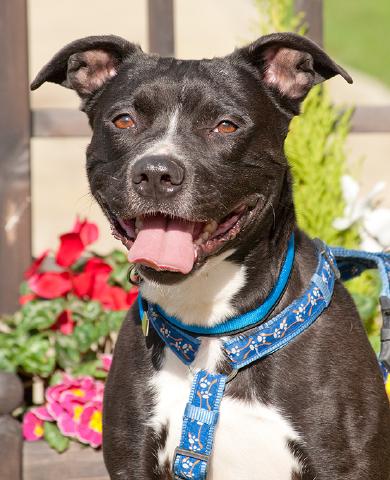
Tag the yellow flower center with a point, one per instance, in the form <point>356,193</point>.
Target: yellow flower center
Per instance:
<point>78,410</point>
<point>38,430</point>
<point>95,422</point>
<point>78,392</point>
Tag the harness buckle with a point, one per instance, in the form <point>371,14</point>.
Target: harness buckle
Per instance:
<point>323,250</point>
<point>231,375</point>
<point>384,355</point>
<point>190,453</point>
<point>187,453</point>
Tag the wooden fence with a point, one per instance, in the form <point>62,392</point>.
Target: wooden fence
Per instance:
<point>19,124</point>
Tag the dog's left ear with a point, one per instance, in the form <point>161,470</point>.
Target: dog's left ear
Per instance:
<point>290,65</point>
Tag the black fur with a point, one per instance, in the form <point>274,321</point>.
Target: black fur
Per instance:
<point>327,380</point>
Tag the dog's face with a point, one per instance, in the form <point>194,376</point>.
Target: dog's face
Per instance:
<point>186,155</point>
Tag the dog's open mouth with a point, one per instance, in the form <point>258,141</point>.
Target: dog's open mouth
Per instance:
<point>167,243</point>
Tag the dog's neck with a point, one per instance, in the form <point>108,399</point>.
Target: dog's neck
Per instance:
<point>233,282</point>
<point>205,298</point>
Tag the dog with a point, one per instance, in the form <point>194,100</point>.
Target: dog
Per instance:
<point>186,161</point>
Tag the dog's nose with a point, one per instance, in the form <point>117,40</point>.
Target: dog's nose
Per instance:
<point>157,176</point>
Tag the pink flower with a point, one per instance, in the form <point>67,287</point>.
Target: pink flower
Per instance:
<point>32,427</point>
<point>76,405</point>
<point>42,413</point>
<point>90,428</point>
<point>106,359</point>
<point>69,419</point>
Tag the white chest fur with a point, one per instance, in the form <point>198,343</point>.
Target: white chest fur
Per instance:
<point>251,439</point>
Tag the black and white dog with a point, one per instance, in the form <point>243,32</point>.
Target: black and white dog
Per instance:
<point>187,162</point>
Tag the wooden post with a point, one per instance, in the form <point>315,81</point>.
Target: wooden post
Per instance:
<point>161,27</point>
<point>11,442</point>
<point>15,213</point>
<point>313,10</point>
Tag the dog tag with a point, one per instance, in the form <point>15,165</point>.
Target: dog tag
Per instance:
<point>145,324</point>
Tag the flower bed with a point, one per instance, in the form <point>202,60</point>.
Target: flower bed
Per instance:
<point>60,342</point>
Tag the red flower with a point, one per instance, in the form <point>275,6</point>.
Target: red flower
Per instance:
<point>23,299</point>
<point>50,284</point>
<point>71,247</point>
<point>35,265</point>
<point>115,298</point>
<point>96,265</point>
<point>93,279</point>
<point>65,323</point>
<point>73,244</point>
<point>88,232</point>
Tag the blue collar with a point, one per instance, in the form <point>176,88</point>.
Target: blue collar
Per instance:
<point>262,339</point>
<point>239,322</point>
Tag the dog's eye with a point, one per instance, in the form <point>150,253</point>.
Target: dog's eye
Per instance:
<point>225,127</point>
<point>124,121</point>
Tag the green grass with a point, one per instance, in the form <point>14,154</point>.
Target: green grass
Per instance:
<point>357,33</point>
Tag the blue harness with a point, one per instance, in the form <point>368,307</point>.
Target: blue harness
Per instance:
<point>259,337</point>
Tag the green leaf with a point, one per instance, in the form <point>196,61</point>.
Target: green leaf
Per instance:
<point>55,438</point>
<point>24,289</point>
<point>103,326</point>
<point>120,276</point>
<point>6,364</point>
<point>85,335</point>
<point>67,351</point>
<point>116,256</point>
<point>367,306</point>
<point>92,368</point>
<point>40,315</point>
<point>115,319</point>
<point>57,377</point>
<point>37,356</point>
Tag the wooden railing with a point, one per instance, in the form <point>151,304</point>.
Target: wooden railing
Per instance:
<point>11,397</point>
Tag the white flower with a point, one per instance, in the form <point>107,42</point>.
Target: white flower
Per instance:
<point>374,227</point>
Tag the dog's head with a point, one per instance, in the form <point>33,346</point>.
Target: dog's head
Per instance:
<point>186,155</point>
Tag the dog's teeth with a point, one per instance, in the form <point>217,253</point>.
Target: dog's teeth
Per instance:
<point>199,241</point>
<point>138,223</point>
<point>211,227</point>
<point>205,235</point>
<point>137,231</point>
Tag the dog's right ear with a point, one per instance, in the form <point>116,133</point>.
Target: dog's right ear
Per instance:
<point>85,65</point>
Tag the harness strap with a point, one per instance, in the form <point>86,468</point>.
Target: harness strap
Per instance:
<point>351,264</point>
<point>293,320</point>
<point>199,420</point>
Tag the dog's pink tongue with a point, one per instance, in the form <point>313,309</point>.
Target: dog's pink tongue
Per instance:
<point>164,244</point>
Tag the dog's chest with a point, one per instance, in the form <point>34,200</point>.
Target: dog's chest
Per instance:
<point>251,439</point>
